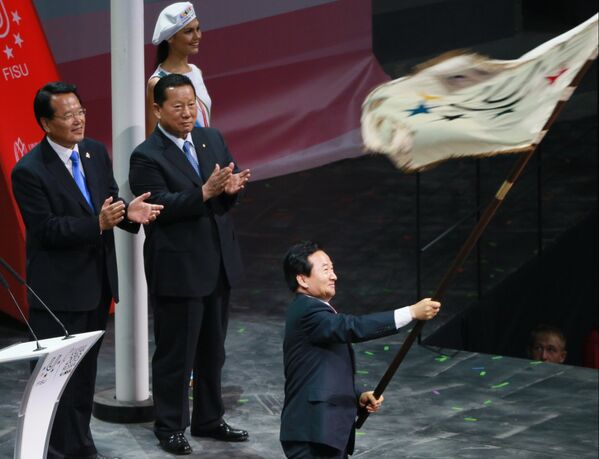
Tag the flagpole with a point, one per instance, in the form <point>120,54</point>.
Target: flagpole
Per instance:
<point>473,238</point>
<point>130,400</point>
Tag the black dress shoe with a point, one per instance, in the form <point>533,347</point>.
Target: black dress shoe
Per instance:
<point>176,444</point>
<point>223,432</point>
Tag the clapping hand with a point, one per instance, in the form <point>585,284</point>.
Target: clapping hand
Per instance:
<point>112,214</point>
<point>143,212</point>
<point>237,182</point>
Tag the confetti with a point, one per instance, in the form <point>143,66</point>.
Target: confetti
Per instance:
<point>470,419</point>
<point>536,362</point>
<point>497,357</point>
<point>359,434</point>
<point>482,373</point>
<point>243,400</point>
<point>499,386</point>
<point>442,358</point>
<point>487,402</point>
<point>241,330</point>
<point>368,353</point>
<point>457,408</point>
<point>436,392</point>
<point>386,348</point>
<point>362,372</point>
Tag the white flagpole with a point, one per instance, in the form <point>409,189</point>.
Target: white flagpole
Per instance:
<point>133,402</point>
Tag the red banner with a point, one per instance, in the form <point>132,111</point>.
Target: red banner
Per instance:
<point>26,64</point>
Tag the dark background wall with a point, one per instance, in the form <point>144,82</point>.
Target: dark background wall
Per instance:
<point>542,291</point>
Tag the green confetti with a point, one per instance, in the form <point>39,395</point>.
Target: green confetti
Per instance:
<point>482,373</point>
<point>457,408</point>
<point>536,362</point>
<point>359,434</point>
<point>487,402</point>
<point>386,348</point>
<point>368,353</point>
<point>362,372</point>
<point>497,357</point>
<point>499,386</point>
<point>470,419</point>
<point>442,358</point>
<point>243,400</point>
<point>500,270</point>
<point>241,330</point>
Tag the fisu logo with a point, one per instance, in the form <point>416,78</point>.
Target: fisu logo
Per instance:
<point>19,149</point>
<point>11,43</point>
<point>4,22</point>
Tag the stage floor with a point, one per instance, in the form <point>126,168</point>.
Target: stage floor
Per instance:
<point>442,403</point>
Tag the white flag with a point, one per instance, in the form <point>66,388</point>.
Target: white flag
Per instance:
<point>462,104</point>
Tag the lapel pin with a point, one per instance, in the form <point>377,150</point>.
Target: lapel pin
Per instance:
<point>203,145</point>
<point>87,155</point>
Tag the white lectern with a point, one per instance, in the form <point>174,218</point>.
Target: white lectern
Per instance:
<point>55,366</point>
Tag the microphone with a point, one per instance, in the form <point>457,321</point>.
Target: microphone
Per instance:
<point>14,300</point>
<point>22,282</point>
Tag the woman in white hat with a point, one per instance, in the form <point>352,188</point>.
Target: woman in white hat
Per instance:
<point>177,34</point>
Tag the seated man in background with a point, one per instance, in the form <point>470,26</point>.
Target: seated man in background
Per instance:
<point>321,399</point>
<point>547,344</point>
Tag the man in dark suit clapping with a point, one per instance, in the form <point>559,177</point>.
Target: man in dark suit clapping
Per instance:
<point>192,260</point>
<point>68,198</point>
<point>321,400</point>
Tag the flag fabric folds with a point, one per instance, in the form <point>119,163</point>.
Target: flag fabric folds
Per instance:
<point>464,104</point>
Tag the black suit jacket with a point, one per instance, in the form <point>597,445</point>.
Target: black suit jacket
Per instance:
<point>184,247</point>
<point>67,257</point>
<point>321,400</point>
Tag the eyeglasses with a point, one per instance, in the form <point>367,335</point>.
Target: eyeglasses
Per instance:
<point>70,116</point>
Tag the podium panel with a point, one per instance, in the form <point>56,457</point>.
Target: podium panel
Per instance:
<point>56,363</point>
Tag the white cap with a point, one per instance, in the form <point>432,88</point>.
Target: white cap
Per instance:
<point>172,19</point>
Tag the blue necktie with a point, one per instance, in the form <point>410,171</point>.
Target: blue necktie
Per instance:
<point>190,158</point>
<point>79,179</point>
